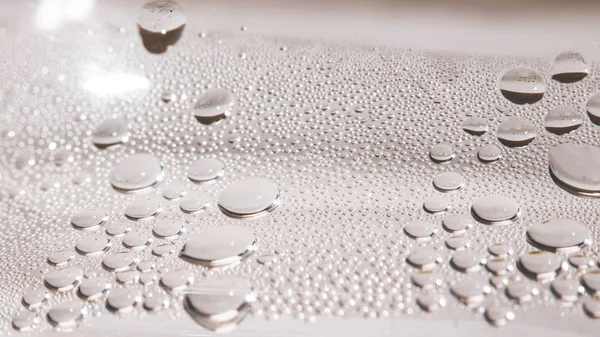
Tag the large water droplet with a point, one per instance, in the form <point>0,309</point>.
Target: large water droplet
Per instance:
<point>160,25</point>
<point>576,168</point>
<point>67,315</point>
<point>569,67</point>
<point>495,209</point>
<point>559,235</point>
<point>540,265</point>
<point>62,280</point>
<point>522,85</point>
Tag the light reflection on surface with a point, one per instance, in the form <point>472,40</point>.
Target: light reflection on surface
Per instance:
<point>52,14</point>
<point>115,84</point>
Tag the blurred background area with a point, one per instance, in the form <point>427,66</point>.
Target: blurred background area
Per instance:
<point>538,28</point>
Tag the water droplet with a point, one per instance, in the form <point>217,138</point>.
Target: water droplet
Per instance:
<point>489,153</point>
<point>92,289</point>
<point>135,240</point>
<point>435,205</point>
<point>559,235</point>
<point>591,306</point>
<point>457,242</point>
<point>441,153</point>
<point>476,126</point>
<point>117,262</point>
<point>576,168</point>
<point>522,85</point>
<point>424,258</point>
<point>498,315</point>
<point>569,67</point>
<point>593,108</point>
<point>136,172</point>
<point>123,300</point>
<point>34,298</point>
<point>63,157</point>
<point>249,197</point>
<point>426,279</point>
<point>164,250</point>
<point>448,181</point>
<point>495,209</point>
<point>143,206</point>
<point>431,302</point>
<point>155,302</point>
<point>25,321</point>
<point>567,289</point>
<point>194,202</point>
<point>117,228</point>
<point>500,249</point>
<point>205,169</point>
<point>420,230</point>
<point>89,219</point>
<point>177,280</point>
<point>128,277</point>
<point>174,190</point>
<point>581,262</point>
<point>60,258</point>
<point>219,246</point>
<point>539,265</point>
<point>111,132</point>
<point>93,245</point>
<point>521,291</point>
<point>470,290</point>
<point>67,315</point>
<point>167,229</point>
<point>498,266</point>
<point>466,261</point>
<point>62,280</point>
<point>563,119</point>
<point>160,25</point>
<point>591,281</point>
<point>457,224</point>
<point>146,266</point>
<point>213,105</point>
<point>516,132</point>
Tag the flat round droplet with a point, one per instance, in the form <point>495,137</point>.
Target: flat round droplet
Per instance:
<point>581,262</point>
<point>470,290</point>
<point>576,168</point>
<point>135,240</point>
<point>167,229</point>
<point>593,108</point>
<point>466,261</point>
<point>448,181</point>
<point>567,289</point>
<point>25,321</point>
<point>148,279</point>
<point>194,202</point>
<point>498,266</point>
<point>499,315</point>
<point>64,279</point>
<point>213,105</point>
<point>205,169</point>
<point>89,219</point>
<point>521,291</point>
<point>500,249</point>
<point>424,259</point>
<point>489,153</point>
<point>495,209</point>
<point>136,172</point>
<point>92,245</point>
<point>67,315</point>
<point>475,126</point>
<point>457,242</point>
<point>219,299</point>
<point>117,228</point>
<point>143,206</point>
<point>426,279</point>
<point>249,197</point>
<point>569,67</point>
<point>522,85</point>
<point>177,280</point>
<point>516,132</point>
<point>591,281</point>
<point>155,302</point>
<point>60,258</point>
<point>93,288</point>
<point>218,246</point>
<point>164,250</point>
<point>117,262</point>
<point>123,300</point>
<point>110,132</point>
<point>128,277</point>
<point>146,266</point>
<point>441,153</point>
<point>559,235</point>
<point>435,205</point>
<point>431,302</point>
<point>539,265</point>
<point>174,190</point>
<point>34,298</point>
<point>420,230</point>
<point>457,224</point>
<point>592,307</point>
<point>563,119</point>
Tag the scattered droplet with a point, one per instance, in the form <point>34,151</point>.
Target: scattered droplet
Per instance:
<point>466,261</point>
<point>60,258</point>
<point>160,25</point>
<point>424,259</point>
<point>489,153</point>
<point>521,291</point>
<point>470,290</point>
<point>476,126</point>
<point>569,67</point>
<point>34,298</point>
<point>135,240</point>
<point>177,280</point>
<point>194,202</point>
<point>167,229</point>
<point>431,302</point>
<point>441,153</point>
<point>123,300</point>
<point>62,280</point>
<point>117,262</point>
<point>93,288</point>
<point>457,224</point>
<point>67,315</point>
<point>143,206</point>
<point>540,265</point>
<point>89,219</point>
<point>112,131</point>
<point>563,119</point>
<point>567,289</point>
<point>420,230</point>
<point>499,315</point>
<point>448,181</point>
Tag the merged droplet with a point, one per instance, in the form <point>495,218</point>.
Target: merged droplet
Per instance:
<point>213,105</point>
<point>559,235</point>
<point>522,85</point>
<point>220,246</point>
<point>219,304</point>
<point>495,209</point>
<point>112,131</point>
<point>136,172</point>
<point>160,25</point>
<point>516,132</point>
<point>448,181</point>
<point>569,67</point>
<point>576,168</point>
<point>249,197</point>
<point>563,119</point>
<point>205,169</point>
